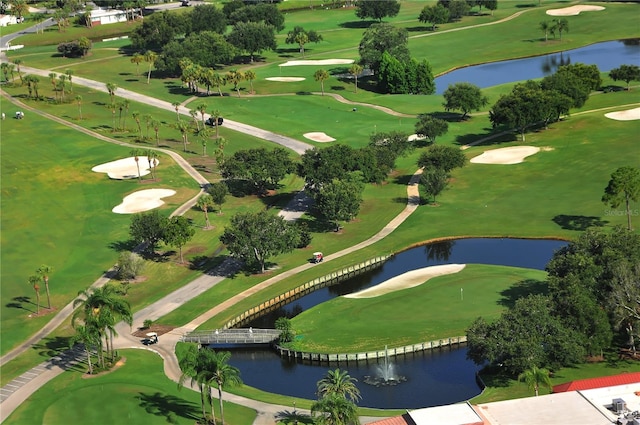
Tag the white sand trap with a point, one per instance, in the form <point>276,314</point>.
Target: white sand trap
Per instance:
<point>143,200</point>
<point>407,280</point>
<point>318,136</point>
<point>573,10</point>
<point>285,79</point>
<point>124,168</point>
<point>628,115</point>
<point>505,156</point>
<point>319,62</point>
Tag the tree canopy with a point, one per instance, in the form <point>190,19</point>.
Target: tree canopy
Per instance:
<point>261,168</point>
<point>255,237</point>
<point>431,127</point>
<point>444,157</point>
<point>434,14</point>
<point>624,186</point>
<point>252,37</point>
<point>339,200</point>
<point>380,38</point>
<point>626,73</point>
<point>466,97</point>
<point>377,9</point>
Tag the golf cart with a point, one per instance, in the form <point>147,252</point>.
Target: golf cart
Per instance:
<point>317,257</point>
<point>152,338</point>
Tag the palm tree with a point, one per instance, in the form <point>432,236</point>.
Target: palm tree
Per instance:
<point>562,25</point>
<point>111,88</point>
<point>113,108</point>
<point>125,103</point>
<point>215,115</point>
<point>34,281</point>
<point>235,77</point>
<point>535,377</point>
<point>194,116</point>
<point>54,82</point>
<point>62,84</point>
<point>17,63</point>
<point>340,383</point>
<point>183,127</point>
<point>176,106</point>
<point>135,153</point>
<point>218,81</point>
<point>5,70</point>
<point>250,76</point>
<point>202,108</point>
<point>69,74</point>
<point>137,58</point>
<point>189,367</point>
<point>224,375</point>
<point>150,56</point>
<point>321,75</point>
<point>88,336</point>
<point>79,102</point>
<point>147,120</point>
<point>35,81</point>
<point>156,128</point>
<point>44,271</point>
<point>204,135</point>
<point>545,27</point>
<point>152,158</point>
<point>205,201</point>
<point>335,410</point>
<point>355,70</point>
<point>136,118</point>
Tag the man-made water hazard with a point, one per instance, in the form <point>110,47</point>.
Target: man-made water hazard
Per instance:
<point>431,378</point>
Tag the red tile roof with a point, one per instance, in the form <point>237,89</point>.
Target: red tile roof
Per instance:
<point>396,420</point>
<point>605,381</point>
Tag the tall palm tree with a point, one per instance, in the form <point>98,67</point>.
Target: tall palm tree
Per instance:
<point>176,106</point>
<point>321,75</point>
<point>156,129</point>
<point>216,114</point>
<point>35,80</point>
<point>69,74</point>
<point>17,63</point>
<point>111,88</point>
<point>62,84</point>
<point>202,108</point>
<point>113,107</point>
<point>88,336</point>
<point>136,118</point>
<point>340,383</point>
<point>137,58</point>
<point>194,116</point>
<point>34,281</point>
<point>249,75</point>
<point>53,77</point>
<point>218,81</point>
<point>183,127</point>
<point>562,25</point>
<point>205,201</point>
<point>224,375</point>
<point>535,377</point>
<point>79,102</point>
<point>125,104</point>
<point>135,153</point>
<point>152,158</point>
<point>44,271</point>
<point>204,135</point>
<point>335,410</point>
<point>235,77</point>
<point>147,120</point>
<point>189,367</point>
<point>355,70</point>
<point>150,57</point>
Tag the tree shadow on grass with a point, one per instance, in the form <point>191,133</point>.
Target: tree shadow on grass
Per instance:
<point>19,303</point>
<point>466,139</point>
<point>522,289</point>
<point>52,346</point>
<point>578,222</point>
<point>120,246</point>
<point>292,417</point>
<point>168,406</point>
<point>493,376</point>
<point>357,24</point>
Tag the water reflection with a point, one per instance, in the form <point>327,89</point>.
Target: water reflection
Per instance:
<point>606,56</point>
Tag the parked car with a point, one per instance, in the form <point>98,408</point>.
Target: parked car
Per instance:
<point>210,121</point>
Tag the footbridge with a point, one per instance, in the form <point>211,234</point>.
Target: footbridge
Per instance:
<point>232,336</point>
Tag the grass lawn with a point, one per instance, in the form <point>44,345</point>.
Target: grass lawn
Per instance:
<point>426,312</point>
<point>56,211</point>
<point>138,392</point>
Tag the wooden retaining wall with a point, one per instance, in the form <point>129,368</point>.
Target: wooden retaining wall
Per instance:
<point>302,290</point>
<point>371,355</point>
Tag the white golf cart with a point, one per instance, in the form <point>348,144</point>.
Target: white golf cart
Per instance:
<point>318,257</point>
<point>152,338</point>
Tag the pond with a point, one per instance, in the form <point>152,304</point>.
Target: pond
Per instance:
<point>606,55</point>
<point>434,377</point>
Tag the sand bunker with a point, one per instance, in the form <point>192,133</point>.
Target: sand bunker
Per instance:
<point>573,10</point>
<point>285,79</point>
<point>319,136</point>
<point>407,280</point>
<point>319,62</point>
<point>124,168</point>
<point>628,115</point>
<point>505,156</point>
<point>143,200</point>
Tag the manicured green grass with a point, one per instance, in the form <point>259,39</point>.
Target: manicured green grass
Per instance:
<point>430,311</point>
<point>56,211</point>
<point>138,392</point>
